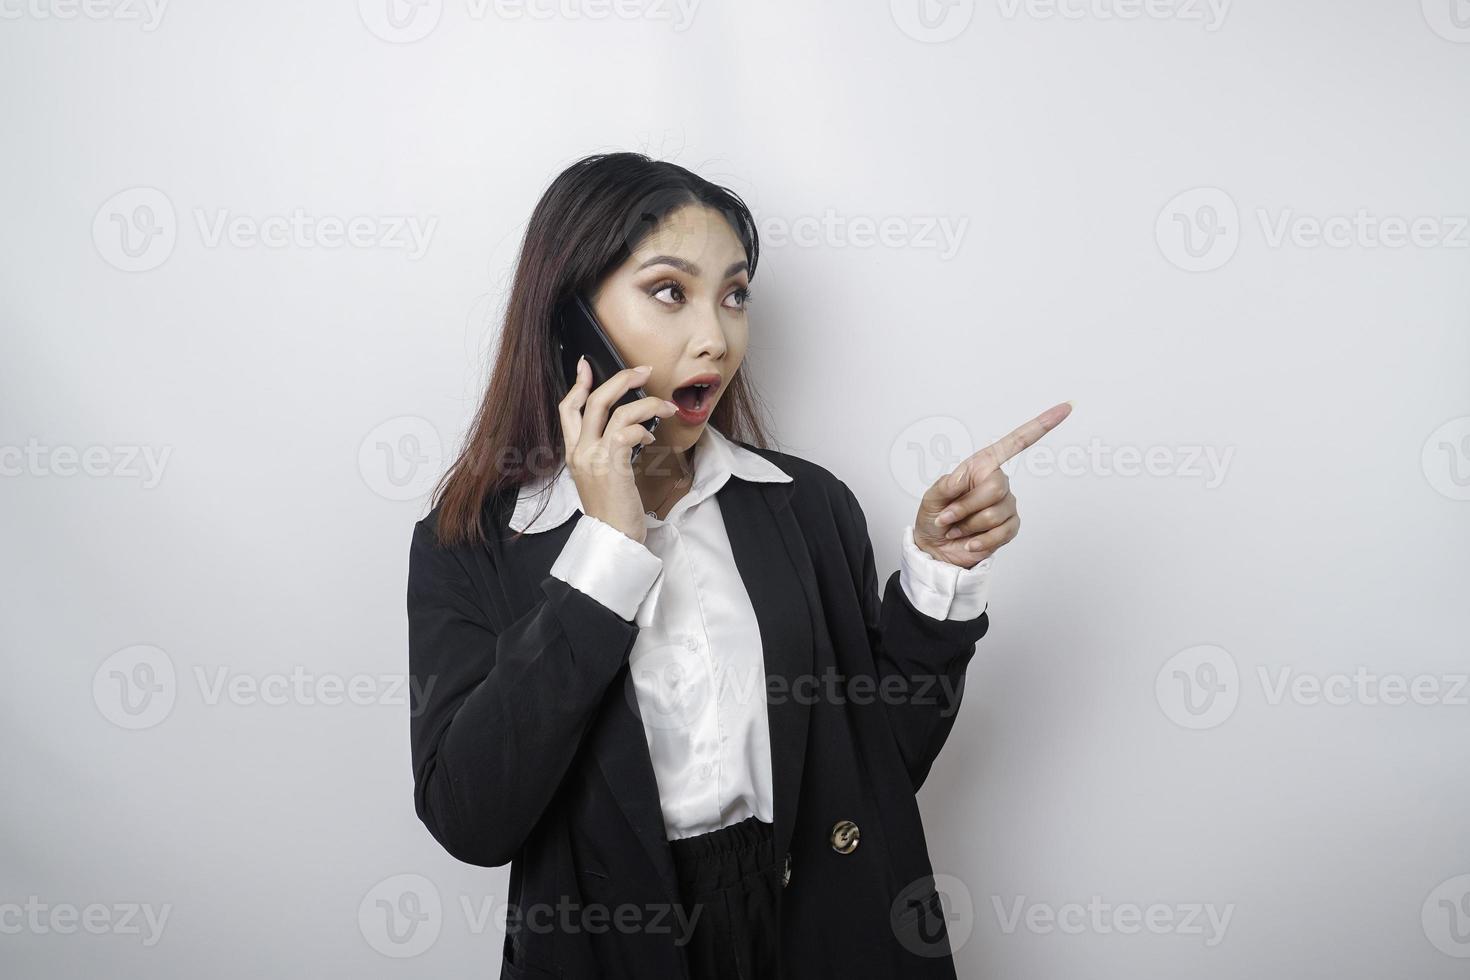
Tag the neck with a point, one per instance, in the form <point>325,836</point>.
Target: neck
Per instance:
<point>658,463</point>
<point>658,468</point>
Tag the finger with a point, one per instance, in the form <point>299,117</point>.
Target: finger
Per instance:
<point>984,519</point>
<point>594,416</point>
<point>992,456</point>
<point>630,435</point>
<point>990,490</point>
<point>634,413</point>
<point>995,537</point>
<point>570,407</point>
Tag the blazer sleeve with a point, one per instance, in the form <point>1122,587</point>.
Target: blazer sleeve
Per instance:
<point>920,660</point>
<point>498,716</point>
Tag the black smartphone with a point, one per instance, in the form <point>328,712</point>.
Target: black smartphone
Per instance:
<point>580,335</point>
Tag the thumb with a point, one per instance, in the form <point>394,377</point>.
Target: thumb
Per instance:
<point>944,490</point>
<point>954,483</point>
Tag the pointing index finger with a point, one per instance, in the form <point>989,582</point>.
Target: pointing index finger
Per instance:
<point>1009,445</point>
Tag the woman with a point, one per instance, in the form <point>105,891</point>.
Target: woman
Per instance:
<point>666,690</point>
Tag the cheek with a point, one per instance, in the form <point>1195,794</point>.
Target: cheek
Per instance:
<point>620,322</point>
<point>737,339</point>
<point>638,340</point>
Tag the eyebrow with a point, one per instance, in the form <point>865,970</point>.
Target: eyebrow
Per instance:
<point>690,267</point>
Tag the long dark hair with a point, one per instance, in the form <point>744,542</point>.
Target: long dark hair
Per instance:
<point>590,219</point>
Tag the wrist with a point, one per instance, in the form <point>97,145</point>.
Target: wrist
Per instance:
<point>923,545</point>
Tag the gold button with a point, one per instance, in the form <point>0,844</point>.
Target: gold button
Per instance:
<point>844,837</point>
<point>786,872</point>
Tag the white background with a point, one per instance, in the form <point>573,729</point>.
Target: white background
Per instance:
<point>291,397</point>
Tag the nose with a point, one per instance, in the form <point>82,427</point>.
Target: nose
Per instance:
<point>709,335</point>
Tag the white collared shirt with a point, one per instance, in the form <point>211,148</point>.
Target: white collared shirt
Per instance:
<point>697,661</point>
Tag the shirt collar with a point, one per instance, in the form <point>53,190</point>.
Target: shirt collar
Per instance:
<point>716,459</point>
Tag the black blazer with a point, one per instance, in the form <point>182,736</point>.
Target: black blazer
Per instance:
<point>528,747</point>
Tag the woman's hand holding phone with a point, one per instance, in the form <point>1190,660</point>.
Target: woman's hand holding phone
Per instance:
<point>599,448</point>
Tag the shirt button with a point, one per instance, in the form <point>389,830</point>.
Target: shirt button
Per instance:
<point>844,837</point>
<point>705,770</point>
<point>691,642</point>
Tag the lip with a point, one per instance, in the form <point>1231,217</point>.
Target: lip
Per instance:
<point>709,378</point>
<point>697,418</point>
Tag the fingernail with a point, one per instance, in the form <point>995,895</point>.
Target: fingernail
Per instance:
<point>944,518</point>
<point>580,361</point>
<point>671,404</point>
<point>643,367</point>
<point>953,532</point>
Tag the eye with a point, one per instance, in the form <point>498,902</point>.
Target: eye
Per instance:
<point>665,287</point>
<point>742,294</point>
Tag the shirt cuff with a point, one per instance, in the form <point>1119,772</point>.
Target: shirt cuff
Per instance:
<point>939,589</point>
<point>607,565</point>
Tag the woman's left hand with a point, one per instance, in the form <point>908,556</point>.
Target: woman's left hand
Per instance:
<point>974,500</point>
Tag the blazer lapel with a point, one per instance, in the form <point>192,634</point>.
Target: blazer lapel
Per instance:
<point>771,555</point>
<point>621,748</point>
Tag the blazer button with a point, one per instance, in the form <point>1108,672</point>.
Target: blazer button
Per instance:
<point>786,872</point>
<point>845,837</point>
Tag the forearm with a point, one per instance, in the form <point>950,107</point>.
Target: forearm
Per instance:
<point>502,714</point>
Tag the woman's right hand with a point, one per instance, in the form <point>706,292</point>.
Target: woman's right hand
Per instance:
<point>599,449</point>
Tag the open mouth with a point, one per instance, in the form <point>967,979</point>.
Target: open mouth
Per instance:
<point>692,398</point>
<point>695,398</point>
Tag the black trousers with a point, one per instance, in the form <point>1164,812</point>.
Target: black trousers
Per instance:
<point>730,886</point>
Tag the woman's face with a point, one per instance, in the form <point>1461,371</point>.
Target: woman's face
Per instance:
<point>678,304</point>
